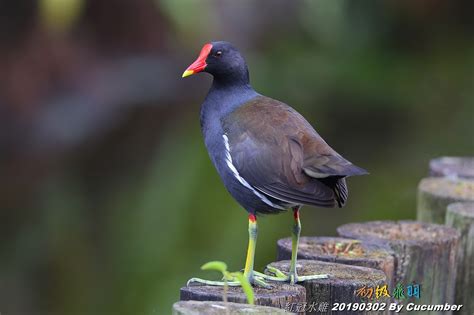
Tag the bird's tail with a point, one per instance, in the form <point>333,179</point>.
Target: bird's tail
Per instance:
<point>339,187</point>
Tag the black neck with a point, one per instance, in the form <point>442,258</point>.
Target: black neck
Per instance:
<point>236,79</point>
<point>227,94</point>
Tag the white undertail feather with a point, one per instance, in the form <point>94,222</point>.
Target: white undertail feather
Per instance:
<point>310,173</point>
<point>241,179</point>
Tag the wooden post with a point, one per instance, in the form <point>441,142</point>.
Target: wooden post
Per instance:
<point>221,308</point>
<point>436,193</point>
<point>340,288</point>
<point>461,217</point>
<point>344,251</point>
<point>461,167</point>
<point>280,295</point>
<point>425,254</point>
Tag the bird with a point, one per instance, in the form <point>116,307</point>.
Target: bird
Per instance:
<point>268,155</point>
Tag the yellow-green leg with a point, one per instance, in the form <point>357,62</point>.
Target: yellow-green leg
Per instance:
<point>249,261</point>
<point>254,277</point>
<point>295,240</point>
<point>292,276</point>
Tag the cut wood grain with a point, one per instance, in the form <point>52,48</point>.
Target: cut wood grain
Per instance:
<point>280,295</point>
<point>452,166</point>
<point>461,217</point>
<point>436,193</point>
<point>221,308</point>
<point>344,251</point>
<point>340,287</point>
<point>425,254</point>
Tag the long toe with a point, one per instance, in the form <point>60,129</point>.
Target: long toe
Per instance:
<point>260,282</point>
<point>291,277</point>
<point>271,278</point>
<point>199,281</point>
<point>277,272</point>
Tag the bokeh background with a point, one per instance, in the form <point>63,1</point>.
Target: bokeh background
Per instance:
<point>108,200</point>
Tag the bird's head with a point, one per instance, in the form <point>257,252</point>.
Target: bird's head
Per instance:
<point>220,59</point>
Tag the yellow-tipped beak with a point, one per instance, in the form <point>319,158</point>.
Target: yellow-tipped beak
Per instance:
<point>200,63</point>
<point>187,73</point>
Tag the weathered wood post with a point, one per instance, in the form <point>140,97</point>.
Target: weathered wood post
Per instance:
<point>425,254</point>
<point>344,251</point>
<point>280,295</point>
<point>461,217</point>
<point>220,308</point>
<point>338,294</point>
<point>461,167</point>
<point>436,193</point>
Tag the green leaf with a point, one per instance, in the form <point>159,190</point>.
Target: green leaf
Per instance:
<point>246,287</point>
<point>215,265</point>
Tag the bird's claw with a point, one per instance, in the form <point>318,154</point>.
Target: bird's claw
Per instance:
<point>255,279</point>
<point>292,277</point>
<point>276,272</point>
<point>210,282</point>
<point>259,279</point>
<point>260,282</point>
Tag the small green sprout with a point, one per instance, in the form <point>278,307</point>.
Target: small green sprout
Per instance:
<point>229,276</point>
<point>215,265</point>
<point>339,246</point>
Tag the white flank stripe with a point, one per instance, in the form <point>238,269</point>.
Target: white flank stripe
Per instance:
<point>241,179</point>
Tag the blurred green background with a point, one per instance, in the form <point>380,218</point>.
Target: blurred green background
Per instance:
<point>108,200</point>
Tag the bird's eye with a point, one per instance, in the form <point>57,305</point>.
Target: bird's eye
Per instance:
<point>218,53</point>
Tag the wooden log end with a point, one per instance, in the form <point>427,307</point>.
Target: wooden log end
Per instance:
<point>462,167</point>
<point>461,217</point>
<point>436,193</point>
<point>338,273</point>
<point>462,209</point>
<point>342,283</point>
<point>342,250</point>
<point>413,232</point>
<point>219,308</point>
<point>425,253</point>
<point>278,296</point>
<point>442,187</point>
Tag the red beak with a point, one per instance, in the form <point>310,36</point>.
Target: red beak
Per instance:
<point>200,63</point>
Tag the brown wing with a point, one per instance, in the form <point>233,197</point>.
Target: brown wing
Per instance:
<point>278,152</point>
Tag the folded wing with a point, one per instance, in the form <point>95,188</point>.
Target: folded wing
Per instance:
<point>279,153</point>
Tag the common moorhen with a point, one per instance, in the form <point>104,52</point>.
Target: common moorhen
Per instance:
<point>268,156</point>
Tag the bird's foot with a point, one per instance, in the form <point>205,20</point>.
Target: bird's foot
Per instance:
<point>292,277</point>
<point>254,279</point>
<point>193,281</point>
